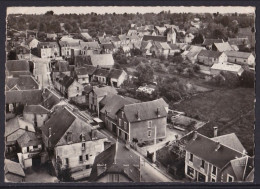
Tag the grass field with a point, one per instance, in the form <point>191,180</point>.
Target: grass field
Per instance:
<point>232,110</point>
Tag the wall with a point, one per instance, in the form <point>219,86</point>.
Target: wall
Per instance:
<point>73,91</point>
<point>41,118</point>
<point>227,170</point>
<point>83,79</point>
<point>13,178</point>
<point>24,149</point>
<point>106,178</point>
<point>79,99</point>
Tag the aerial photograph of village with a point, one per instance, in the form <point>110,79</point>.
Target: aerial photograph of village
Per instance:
<point>129,94</point>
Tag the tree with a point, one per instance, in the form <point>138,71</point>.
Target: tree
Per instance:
<point>49,13</point>
<point>247,79</point>
<point>64,175</point>
<point>225,21</point>
<point>12,55</point>
<point>198,39</point>
<point>145,73</point>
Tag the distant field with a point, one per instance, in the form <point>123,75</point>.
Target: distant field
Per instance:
<point>232,110</point>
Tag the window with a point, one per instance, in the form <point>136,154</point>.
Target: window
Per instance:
<point>202,164</point>
<point>83,79</point>
<point>80,159</point>
<point>66,161</point>
<point>214,170</point>
<point>149,124</point>
<point>28,149</point>
<point>86,157</point>
<point>125,125</point>
<point>34,147</point>
<point>149,133</point>
<point>230,178</point>
<point>77,88</point>
<point>191,157</point>
<point>83,145</point>
<point>120,121</point>
<point>26,128</point>
<point>114,177</point>
<point>123,114</point>
<point>190,171</point>
<point>213,180</point>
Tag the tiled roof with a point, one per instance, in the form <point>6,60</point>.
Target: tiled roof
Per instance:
<point>59,123</point>
<point>28,139</point>
<point>86,35</point>
<point>221,47</point>
<point>102,60</point>
<point>23,82</point>
<point>37,109</point>
<point>13,167</point>
<point>231,141</point>
<point>208,53</point>
<point>107,46</point>
<point>114,104</point>
<point>207,42</point>
<point>117,160</point>
<point>173,46</point>
<point>104,90</point>
<point>237,54</point>
<point>90,45</point>
<point>16,123</point>
<point>193,51</point>
<point>49,99</point>
<point>154,38</point>
<point>24,97</point>
<point>115,73</point>
<point>85,70</point>
<point>146,110</point>
<point>17,65</point>
<point>101,72</point>
<point>49,44</point>
<point>206,149</point>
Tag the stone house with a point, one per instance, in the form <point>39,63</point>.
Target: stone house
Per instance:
<point>116,77</point>
<point>35,114</point>
<point>209,58</point>
<point>209,42</point>
<point>206,159</point>
<point>75,89</point>
<point>48,49</point>
<point>143,121</point>
<point>101,75</point>
<point>84,74</point>
<point>72,142</point>
<point>242,58</point>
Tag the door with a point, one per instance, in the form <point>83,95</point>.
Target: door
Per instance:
<point>201,178</point>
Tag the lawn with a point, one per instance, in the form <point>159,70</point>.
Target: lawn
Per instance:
<point>232,110</point>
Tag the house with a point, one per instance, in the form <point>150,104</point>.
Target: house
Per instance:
<point>29,146</point>
<point>115,41</point>
<point>50,99</point>
<point>13,171</point>
<point>32,42</point>
<point>208,57</point>
<point>71,142</point>
<point>85,35</point>
<point>209,42</point>
<point>35,114</point>
<point>206,159</point>
<point>242,58</point>
<point>75,89</point>
<point>249,33</point>
<point>23,82</point>
<point>48,49</point>
<point>171,35</point>
<point>222,47</point>
<point>143,121</point>
<point>145,48</point>
<point>52,36</point>
<point>174,49</point>
<point>160,49</point>
<point>22,49</point>
<point>16,100</point>
<point>17,67</point>
<point>192,53</point>
<point>217,68</point>
<point>84,74</point>
<point>107,48</point>
<point>97,94</point>
<point>116,164</point>
<point>102,60</point>
<point>159,30</point>
<point>109,106</point>
<point>240,42</point>
<point>14,129</point>
<point>89,48</point>
<point>62,83</point>
<point>154,38</point>
<point>101,75</point>
<point>66,46</point>
<point>117,77</point>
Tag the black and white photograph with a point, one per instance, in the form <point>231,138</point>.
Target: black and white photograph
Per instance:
<point>110,94</point>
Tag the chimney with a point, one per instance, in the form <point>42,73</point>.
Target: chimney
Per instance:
<point>138,115</point>
<point>49,132</point>
<point>195,135</point>
<point>215,131</point>
<point>218,146</point>
<point>93,134</point>
<point>158,112</point>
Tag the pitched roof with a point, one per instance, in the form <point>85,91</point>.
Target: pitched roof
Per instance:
<point>154,38</point>
<point>69,43</point>
<point>37,109</point>
<point>66,81</point>
<point>114,104</point>
<point>205,148</point>
<point>102,91</point>
<point>207,42</point>
<point>221,47</point>
<point>231,141</point>
<point>115,39</point>
<point>238,41</point>
<point>13,167</point>
<point>49,99</point>
<point>208,53</point>
<point>16,123</point>
<point>107,46</point>
<point>162,45</point>
<point>101,72</point>
<point>117,159</point>
<point>115,73</point>
<point>59,123</point>
<point>24,97</point>
<point>102,60</point>
<point>193,51</point>
<point>146,110</point>
<point>86,35</point>
<point>237,54</point>
<point>17,65</point>
<point>28,139</point>
<point>227,67</point>
<point>85,70</point>
<point>173,46</point>
<point>23,82</point>
<point>90,45</point>
<point>49,44</point>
